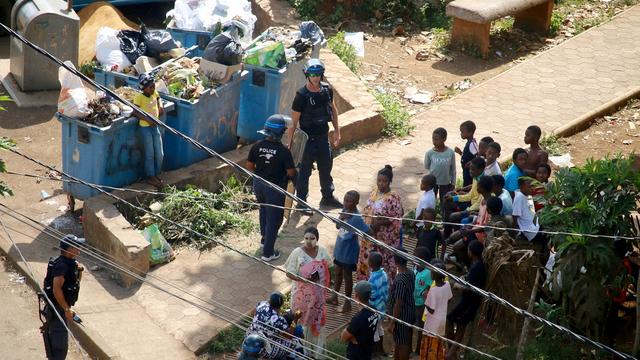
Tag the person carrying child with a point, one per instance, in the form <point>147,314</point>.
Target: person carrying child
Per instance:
<point>536,156</point>
<point>516,170</point>
<point>149,101</point>
<point>435,316</point>
<point>379,295</point>
<point>422,284</point>
<point>347,248</point>
<point>440,161</point>
<point>493,153</point>
<point>466,309</point>
<point>402,306</point>
<point>467,130</point>
<point>542,178</point>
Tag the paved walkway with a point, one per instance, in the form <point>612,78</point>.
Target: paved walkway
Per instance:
<point>549,90</point>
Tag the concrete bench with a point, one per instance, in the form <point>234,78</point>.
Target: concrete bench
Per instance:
<point>472,18</point>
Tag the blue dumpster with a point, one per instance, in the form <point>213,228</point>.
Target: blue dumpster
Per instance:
<point>111,155</point>
<point>114,80</point>
<point>212,120</point>
<point>188,38</point>
<point>267,91</point>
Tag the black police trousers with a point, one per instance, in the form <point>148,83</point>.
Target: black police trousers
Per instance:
<point>56,338</point>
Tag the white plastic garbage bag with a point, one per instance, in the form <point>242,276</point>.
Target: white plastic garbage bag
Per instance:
<point>108,50</point>
<point>562,160</point>
<point>206,14</point>
<point>73,100</point>
<point>356,39</point>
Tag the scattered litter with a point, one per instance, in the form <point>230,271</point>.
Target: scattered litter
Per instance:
<point>394,66</point>
<point>611,118</point>
<point>370,77</point>
<point>609,132</point>
<point>410,91</point>
<point>17,278</point>
<point>155,207</point>
<point>462,85</point>
<point>95,268</point>
<point>586,137</point>
<point>44,195</point>
<point>498,53</point>
<point>562,160</point>
<point>423,97</point>
<point>398,30</point>
<point>405,142</point>
<point>63,208</point>
<point>627,142</point>
<point>632,126</point>
<point>27,139</point>
<point>356,39</point>
<point>380,89</point>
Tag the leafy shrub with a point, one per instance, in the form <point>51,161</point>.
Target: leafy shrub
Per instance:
<point>5,143</point>
<point>441,38</point>
<point>553,144</point>
<point>344,51</point>
<point>594,199</point>
<point>228,340</point>
<point>557,18</point>
<point>307,9</point>
<point>396,118</point>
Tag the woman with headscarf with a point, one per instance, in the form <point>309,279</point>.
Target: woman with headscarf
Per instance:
<point>307,266</point>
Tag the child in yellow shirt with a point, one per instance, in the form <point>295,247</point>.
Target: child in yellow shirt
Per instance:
<point>149,101</point>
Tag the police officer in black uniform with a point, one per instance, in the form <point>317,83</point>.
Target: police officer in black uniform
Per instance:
<point>62,286</point>
<point>313,108</point>
<point>272,161</point>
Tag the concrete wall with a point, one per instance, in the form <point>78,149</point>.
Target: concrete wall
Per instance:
<point>106,229</point>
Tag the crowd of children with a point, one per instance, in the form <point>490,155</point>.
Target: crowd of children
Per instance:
<point>487,202</point>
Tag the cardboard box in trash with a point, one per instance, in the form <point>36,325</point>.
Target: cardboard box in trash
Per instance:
<point>217,71</point>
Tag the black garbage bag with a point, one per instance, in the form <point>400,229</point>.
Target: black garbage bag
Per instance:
<point>224,50</point>
<point>311,30</point>
<point>157,41</point>
<point>132,44</point>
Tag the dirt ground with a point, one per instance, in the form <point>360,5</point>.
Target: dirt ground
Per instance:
<point>616,133</point>
<point>20,337</point>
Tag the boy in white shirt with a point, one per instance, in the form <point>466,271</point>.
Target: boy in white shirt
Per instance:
<point>524,215</point>
<point>428,198</point>
<point>492,155</point>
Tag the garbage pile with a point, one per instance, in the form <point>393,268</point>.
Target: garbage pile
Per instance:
<point>126,50</point>
<point>212,15</point>
<point>181,79</point>
<point>78,103</point>
<point>278,46</point>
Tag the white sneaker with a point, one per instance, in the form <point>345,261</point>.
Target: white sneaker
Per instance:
<point>275,256</point>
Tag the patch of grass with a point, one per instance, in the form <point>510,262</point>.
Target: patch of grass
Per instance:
<point>228,340</point>
<point>441,38</point>
<point>503,24</point>
<point>553,144</point>
<point>337,347</point>
<point>4,98</point>
<point>344,51</point>
<point>396,118</point>
<point>557,18</point>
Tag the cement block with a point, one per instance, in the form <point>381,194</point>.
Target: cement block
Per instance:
<point>106,229</point>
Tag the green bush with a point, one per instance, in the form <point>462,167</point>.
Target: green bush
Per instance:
<point>228,340</point>
<point>441,38</point>
<point>397,121</point>
<point>593,199</point>
<point>307,9</point>
<point>557,18</point>
<point>553,144</point>
<point>344,51</point>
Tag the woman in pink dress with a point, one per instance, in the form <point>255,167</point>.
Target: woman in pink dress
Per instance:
<point>382,202</point>
<point>311,262</point>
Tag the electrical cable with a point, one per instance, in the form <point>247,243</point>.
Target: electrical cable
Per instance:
<point>337,212</point>
<point>86,249</point>
<point>224,244</point>
<point>239,168</point>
